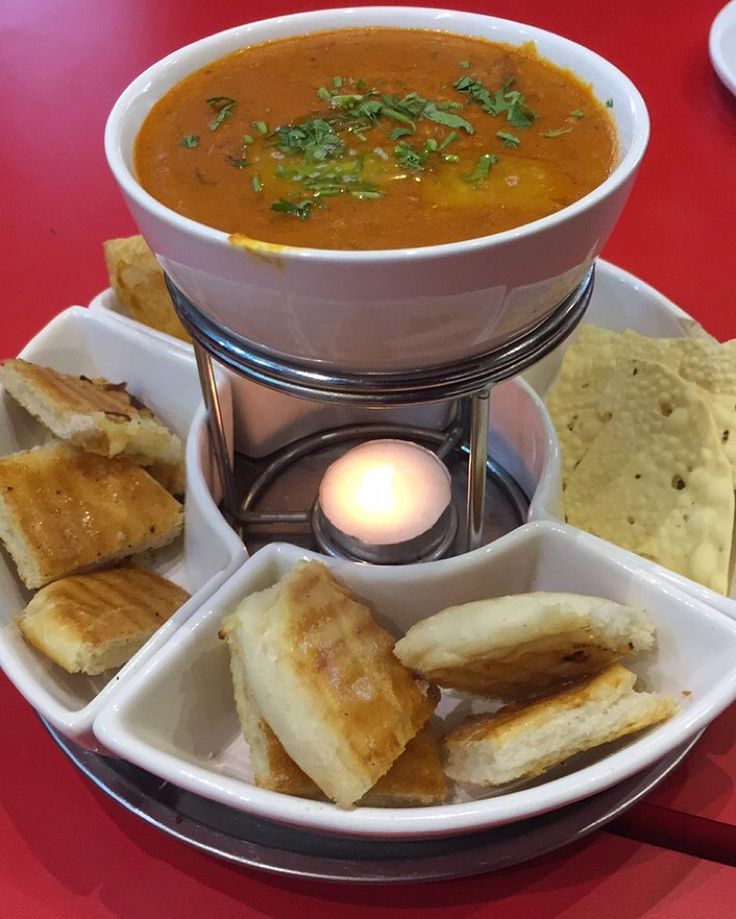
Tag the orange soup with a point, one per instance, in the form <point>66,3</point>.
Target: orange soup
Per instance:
<point>375,139</point>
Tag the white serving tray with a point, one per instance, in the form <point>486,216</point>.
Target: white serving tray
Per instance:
<point>176,717</point>
<point>165,378</point>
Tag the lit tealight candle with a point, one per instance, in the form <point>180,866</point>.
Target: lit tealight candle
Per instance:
<point>385,493</point>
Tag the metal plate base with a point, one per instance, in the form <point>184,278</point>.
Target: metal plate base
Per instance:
<point>239,838</point>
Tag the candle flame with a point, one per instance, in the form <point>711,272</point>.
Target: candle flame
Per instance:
<point>375,492</point>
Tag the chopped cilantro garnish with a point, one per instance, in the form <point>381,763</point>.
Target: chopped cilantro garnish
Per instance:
<point>256,183</point>
<point>396,133</point>
<point>368,195</point>
<point>409,158</point>
<point>247,139</point>
<point>298,209</point>
<point>576,113</point>
<point>337,82</point>
<point>190,141</point>
<point>259,126</point>
<point>503,102</point>
<point>324,94</point>
<point>558,133</point>
<point>482,168</point>
<point>224,106</point>
<point>463,64</point>
<point>609,103</point>
<point>237,162</point>
<point>314,139</point>
<point>509,140</point>
<point>451,138</point>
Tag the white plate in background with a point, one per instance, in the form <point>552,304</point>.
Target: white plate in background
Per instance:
<point>176,718</point>
<point>165,379</point>
<point>722,45</point>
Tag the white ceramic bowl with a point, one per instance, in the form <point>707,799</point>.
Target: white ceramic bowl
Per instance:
<point>166,379</point>
<point>384,309</point>
<point>176,717</point>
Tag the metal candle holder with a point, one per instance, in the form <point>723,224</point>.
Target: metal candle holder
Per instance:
<point>469,381</point>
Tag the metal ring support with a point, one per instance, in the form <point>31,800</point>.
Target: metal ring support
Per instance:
<point>383,388</point>
<point>470,379</point>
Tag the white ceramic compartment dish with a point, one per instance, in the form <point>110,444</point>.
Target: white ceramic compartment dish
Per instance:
<point>622,301</point>
<point>176,717</point>
<point>384,309</point>
<point>166,379</point>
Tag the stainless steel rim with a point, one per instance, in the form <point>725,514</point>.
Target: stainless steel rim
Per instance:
<point>427,384</point>
<point>288,851</point>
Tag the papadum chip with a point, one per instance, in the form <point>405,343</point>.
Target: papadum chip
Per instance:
<point>655,479</point>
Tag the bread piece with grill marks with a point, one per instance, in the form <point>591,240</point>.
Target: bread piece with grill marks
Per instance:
<point>324,678</point>
<point>90,623</point>
<point>96,415</point>
<point>523,740</point>
<point>64,511</point>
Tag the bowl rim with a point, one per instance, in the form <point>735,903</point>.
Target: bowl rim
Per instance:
<point>124,176</point>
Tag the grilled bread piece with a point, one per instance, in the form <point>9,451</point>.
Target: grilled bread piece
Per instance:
<point>324,678</point>
<point>522,740</point>
<point>415,778</point>
<point>91,622</point>
<point>96,415</point>
<point>138,282</point>
<point>63,511</point>
<point>518,646</point>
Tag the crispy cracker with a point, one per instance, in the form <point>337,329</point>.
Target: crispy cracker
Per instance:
<point>656,480</point>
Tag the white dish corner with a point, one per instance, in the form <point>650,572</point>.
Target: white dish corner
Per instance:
<point>165,378</point>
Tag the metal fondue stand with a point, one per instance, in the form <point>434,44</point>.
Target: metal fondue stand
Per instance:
<point>468,381</point>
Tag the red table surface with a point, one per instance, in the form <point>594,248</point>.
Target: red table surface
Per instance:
<point>68,851</point>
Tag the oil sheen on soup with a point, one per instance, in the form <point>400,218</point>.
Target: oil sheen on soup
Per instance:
<point>375,139</point>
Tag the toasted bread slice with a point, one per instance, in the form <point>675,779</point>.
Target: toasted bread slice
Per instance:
<point>518,646</point>
<point>96,415</point>
<point>272,766</point>
<point>170,476</point>
<point>138,282</point>
<point>90,623</point>
<point>324,678</point>
<point>523,740</point>
<point>416,779</point>
<point>63,511</point>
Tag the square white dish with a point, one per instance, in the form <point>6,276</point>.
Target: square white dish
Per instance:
<point>622,301</point>
<point>166,379</point>
<point>176,716</point>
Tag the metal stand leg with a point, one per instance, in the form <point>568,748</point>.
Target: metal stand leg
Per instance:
<point>218,438</point>
<point>477,458</point>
